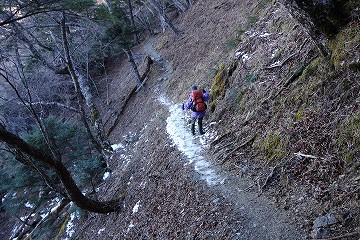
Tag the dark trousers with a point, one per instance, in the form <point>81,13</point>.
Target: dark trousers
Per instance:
<point>199,120</point>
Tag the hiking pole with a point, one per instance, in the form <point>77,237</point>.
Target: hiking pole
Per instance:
<point>183,108</point>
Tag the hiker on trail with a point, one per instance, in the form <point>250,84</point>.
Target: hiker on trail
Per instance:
<point>196,103</point>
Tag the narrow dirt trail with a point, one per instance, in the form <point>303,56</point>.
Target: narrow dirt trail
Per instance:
<point>173,189</point>
<point>263,220</point>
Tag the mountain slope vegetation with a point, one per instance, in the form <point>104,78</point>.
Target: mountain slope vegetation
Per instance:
<point>282,126</point>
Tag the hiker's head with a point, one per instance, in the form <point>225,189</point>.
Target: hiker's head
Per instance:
<point>193,88</point>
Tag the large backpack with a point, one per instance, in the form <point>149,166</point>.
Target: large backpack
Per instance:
<point>198,104</point>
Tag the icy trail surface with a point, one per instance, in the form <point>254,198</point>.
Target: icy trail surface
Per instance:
<point>262,219</point>
<point>186,143</point>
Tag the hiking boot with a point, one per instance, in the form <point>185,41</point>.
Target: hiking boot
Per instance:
<point>193,126</point>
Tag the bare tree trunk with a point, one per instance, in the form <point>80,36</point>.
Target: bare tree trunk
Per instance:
<point>72,190</point>
<point>132,21</point>
<point>165,21</point>
<point>134,67</point>
<point>85,97</point>
<point>20,35</point>
<point>144,21</point>
<point>180,5</point>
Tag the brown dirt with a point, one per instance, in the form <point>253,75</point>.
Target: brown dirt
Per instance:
<point>164,197</point>
<point>173,201</point>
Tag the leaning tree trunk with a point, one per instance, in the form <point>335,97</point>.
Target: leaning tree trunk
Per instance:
<point>134,67</point>
<point>72,190</point>
<point>132,21</point>
<point>165,21</point>
<point>144,21</point>
<point>180,5</point>
<point>84,96</point>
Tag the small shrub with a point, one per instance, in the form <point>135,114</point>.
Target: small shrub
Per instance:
<point>251,21</point>
<point>251,77</point>
<point>274,147</point>
<point>234,42</point>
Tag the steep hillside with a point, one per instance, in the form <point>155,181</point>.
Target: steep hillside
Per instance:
<point>280,157</point>
<point>287,116</point>
<point>282,127</point>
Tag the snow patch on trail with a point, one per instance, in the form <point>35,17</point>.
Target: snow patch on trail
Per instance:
<point>186,143</point>
<point>117,147</point>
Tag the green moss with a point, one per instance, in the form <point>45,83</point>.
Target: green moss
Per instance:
<point>94,116</point>
<point>262,4</point>
<point>312,68</point>
<point>241,102</point>
<point>218,85</point>
<point>274,147</point>
<point>318,72</point>
<point>299,115</point>
<point>348,137</point>
<point>63,226</point>
<point>212,106</point>
<point>341,46</point>
<point>288,26</point>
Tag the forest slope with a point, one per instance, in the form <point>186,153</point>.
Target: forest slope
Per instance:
<point>282,132</point>
<point>280,110</point>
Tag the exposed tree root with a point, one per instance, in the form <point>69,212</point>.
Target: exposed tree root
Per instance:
<point>237,148</point>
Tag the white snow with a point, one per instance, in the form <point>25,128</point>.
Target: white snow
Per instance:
<point>186,143</point>
<point>239,54</point>
<point>29,205</point>
<point>70,226</point>
<point>117,146</point>
<point>131,225</point>
<point>4,198</point>
<point>143,185</point>
<point>265,34</point>
<point>106,175</point>
<point>245,57</point>
<point>136,207</point>
<point>44,215</point>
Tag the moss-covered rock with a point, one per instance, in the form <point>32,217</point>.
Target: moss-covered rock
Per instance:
<point>344,47</point>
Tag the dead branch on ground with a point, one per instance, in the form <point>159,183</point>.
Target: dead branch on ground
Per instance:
<point>219,139</point>
<point>237,148</point>
<point>132,92</point>
<point>270,176</point>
